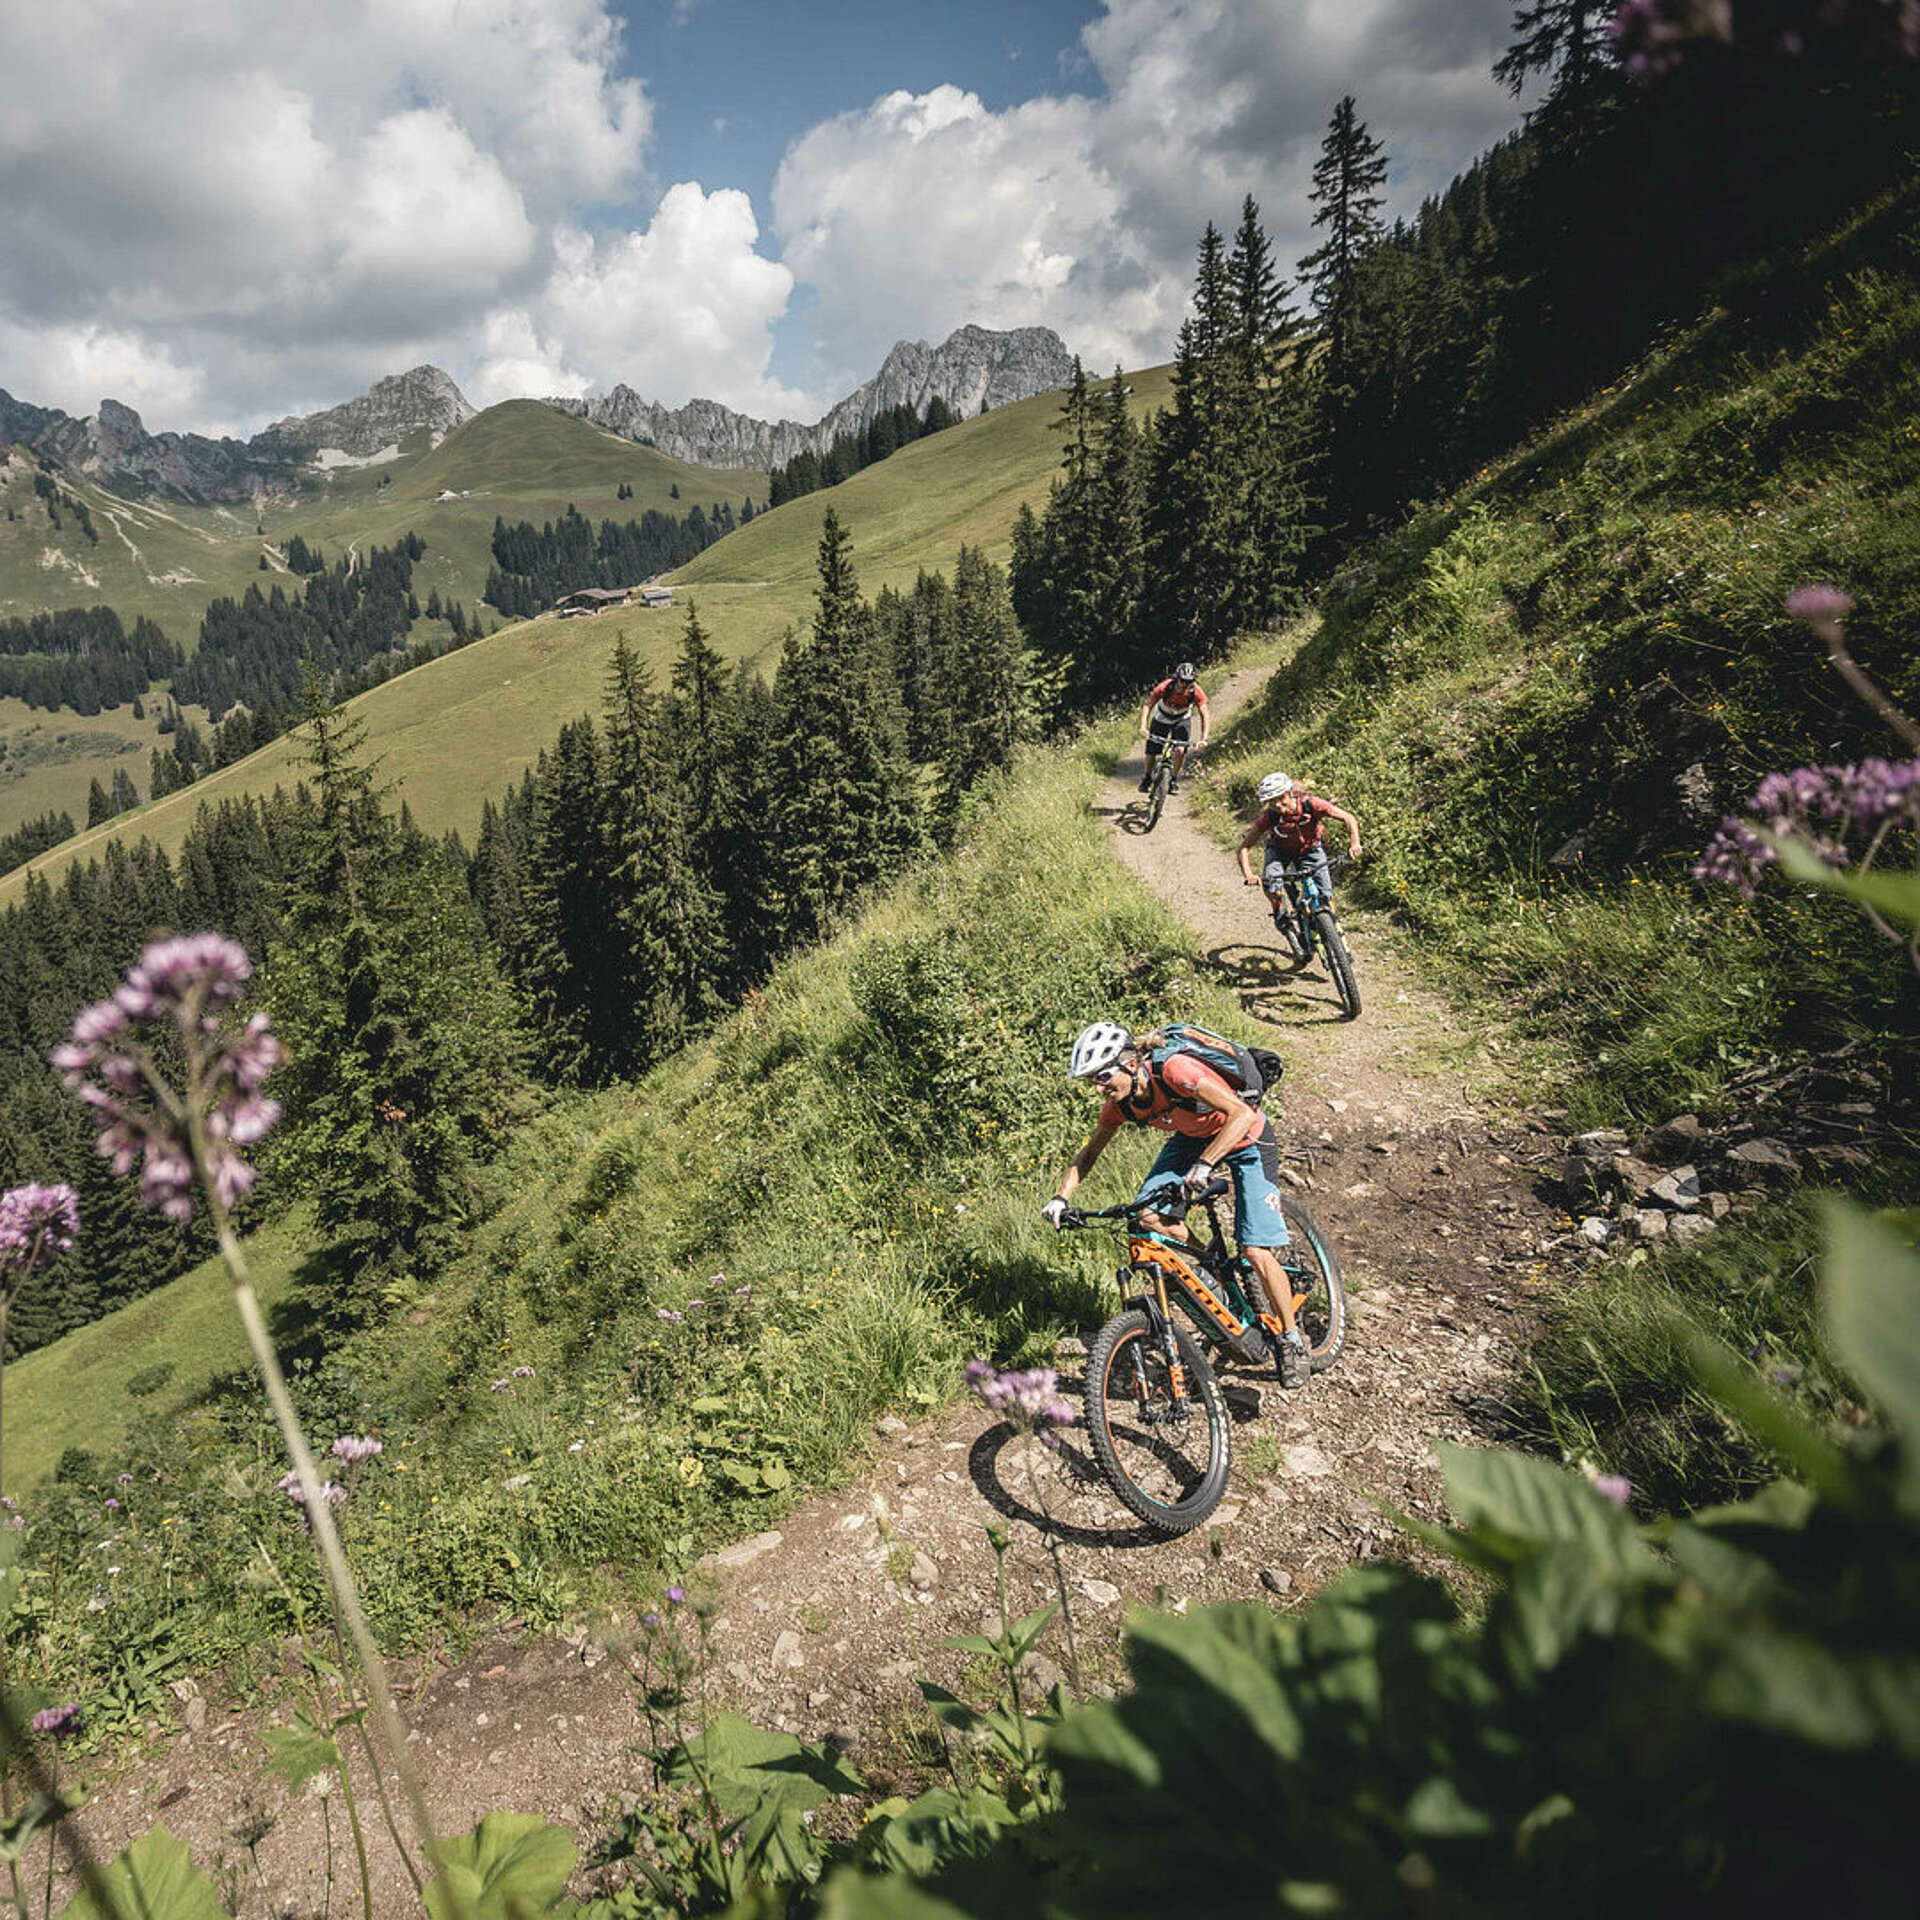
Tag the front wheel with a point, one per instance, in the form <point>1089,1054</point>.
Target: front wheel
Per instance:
<point>1333,944</point>
<point>1165,1453</point>
<point>1319,1294</point>
<point>1157,793</point>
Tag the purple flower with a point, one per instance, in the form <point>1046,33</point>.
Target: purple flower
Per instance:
<point>57,1720</point>
<point>501,1386</point>
<point>352,1448</point>
<point>667,1314</point>
<point>333,1493</point>
<point>1613,1486</point>
<point>1819,605</point>
<point>1031,1401</point>
<point>523,1373</point>
<point>126,1479</point>
<point>692,1304</point>
<point>37,1225</point>
<point>113,1505</point>
<point>676,1594</point>
<point>145,1122</point>
<point>649,1619</point>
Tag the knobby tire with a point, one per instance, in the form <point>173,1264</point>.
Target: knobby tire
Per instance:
<point>1157,793</point>
<point>1339,962</point>
<point>1310,1265</point>
<point>1112,1400</point>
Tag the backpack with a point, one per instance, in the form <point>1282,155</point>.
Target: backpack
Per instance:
<point>1250,1071</point>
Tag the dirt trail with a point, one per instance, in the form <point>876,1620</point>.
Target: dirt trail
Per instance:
<point>824,1623</point>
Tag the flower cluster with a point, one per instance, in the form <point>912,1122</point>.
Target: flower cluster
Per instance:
<point>352,1448</point>
<point>1821,806</point>
<point>57,1720</point>
<point>37,1225</point>
<point>1029,1400</point>
<point>184,983</point>
<point>333,1493</point>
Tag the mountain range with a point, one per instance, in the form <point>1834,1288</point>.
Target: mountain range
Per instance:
<point>972,369</point>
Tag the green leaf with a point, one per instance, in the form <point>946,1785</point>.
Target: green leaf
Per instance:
<point>1870,1287</point>
<point>1835,1697</point>
<point>1895,895</point>
<point>922,1835</point>
<point>18,1833</point>
<point>300,1752</point>
<point>859,1896</point>
<point>509,1866</point>
<point>1025,1633</point>
<point>1768,1418</point>
<point>1533,1504</point>
<point>155,1879</point>
<point>776,1474</point>
<point>709,1403</point>
<point>1438,1810</point>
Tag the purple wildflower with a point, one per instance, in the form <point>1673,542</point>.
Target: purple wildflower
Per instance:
<point>1031,1401</point>
<point>1613,1486</point>
<point>523,1373</point>
<point>649,1619</point>
<point>692,1304</point>
<point>352,1448</point>
<point>37,1225</point>
<point>676,1594</point>
<point>333,1493</point>
<point>1819,605</point>
<point>667,1314</point>
<point>126,1479</point>
<point>57,1720</point>
<point>145,1122</point>
<point>113,1505</point>
<point>501,1386</point>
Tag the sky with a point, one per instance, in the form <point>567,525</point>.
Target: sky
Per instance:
<point>221,212</point>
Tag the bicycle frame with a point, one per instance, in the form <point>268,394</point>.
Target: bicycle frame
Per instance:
<point>1205,1276</point>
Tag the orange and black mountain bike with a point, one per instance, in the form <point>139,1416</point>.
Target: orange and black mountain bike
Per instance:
<point>1155,1413</point>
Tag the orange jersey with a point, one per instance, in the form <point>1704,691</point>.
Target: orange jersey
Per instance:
<point>1170,1103</point>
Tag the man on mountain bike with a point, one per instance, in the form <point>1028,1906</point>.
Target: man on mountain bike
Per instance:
<point>1211,1129</point>
<point>1291,821</point>
<point>1164,720</point>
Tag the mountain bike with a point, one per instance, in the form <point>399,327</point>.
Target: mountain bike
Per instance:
<point>1161,782</point>
<point>1308,924</point>
<point>1155,1412</point>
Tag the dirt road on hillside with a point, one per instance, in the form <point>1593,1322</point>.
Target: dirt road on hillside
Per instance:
<point>823,1625</point>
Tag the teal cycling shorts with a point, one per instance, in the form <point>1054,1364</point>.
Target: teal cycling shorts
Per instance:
<point>1259,1220</point>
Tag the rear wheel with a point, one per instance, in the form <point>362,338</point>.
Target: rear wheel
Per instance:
<point>1339,962</point>
<point>1167,1456</point>
<point>1319,1294</point>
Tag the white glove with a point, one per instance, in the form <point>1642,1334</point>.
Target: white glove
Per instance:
<point>1199,1175</point>
<point>1053,1212</point>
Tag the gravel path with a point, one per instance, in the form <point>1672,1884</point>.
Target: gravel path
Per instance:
<point>823,1625</point>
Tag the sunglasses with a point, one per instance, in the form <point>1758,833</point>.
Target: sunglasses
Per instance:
<point>1114,1072</point>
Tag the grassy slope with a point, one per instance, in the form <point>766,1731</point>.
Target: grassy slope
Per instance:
<point>1540,696</point>
<point>834,1149</point>
<point>521,460</point>
<point>458,731</point>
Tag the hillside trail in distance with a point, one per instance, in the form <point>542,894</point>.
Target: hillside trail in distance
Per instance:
<point>826,1619</point>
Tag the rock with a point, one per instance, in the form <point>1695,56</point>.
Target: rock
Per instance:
<point>788,1654</point>
<point>889,1423</point>
<point>1276,1579</point>
<point>1103,1593</point>
<point>195,1714</point>
<point>1716,1205</point>
<point>925,1572</point>
<point>1595,1231</point>
<point>1602,1144</point>
<point>1070,1347</point>
<point>1582,1179</point>
<point>742,1552</point>
<point>1761,1162</point>
<point>1307,1462</point>
<point>1045,1674</point>
<point>1634,1179</point>
<point>1678,1190</point>
<point>1673,1139</point>
<point>1838,1161</point>
<point>514,1482</point>
<point>1682,1227</point>
<point>1647,1224</point>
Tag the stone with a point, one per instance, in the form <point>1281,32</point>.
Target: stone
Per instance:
<point>1838,1161</point>
<point>1583,1179</point>
<point>1761,1162</point>
<point>743,1552</point>
<point>1647,1225</point>
<point>1634,1179</point>
<point>1679,1190</point>
<point>1595,1231</point>
<point>1045,1674</point>
<point>788,1654</point>
<point>925,1572</point>
<point>889,1423</point>
<point>514,1482</point>
<point>1716,1205</point>
<point>1673,1139</point>
<point>1070,1347</point>
<point>1276,1579</point>
<point>195,1714</point>
<point>1103,1593</point>
<point>1682,1227</point>
<point>1307,1462</point>
<point>1601,1144</point>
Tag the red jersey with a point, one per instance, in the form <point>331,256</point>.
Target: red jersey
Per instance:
<point>1182,1077</point>
<point>1299,835</point>
<point>1176,696</point>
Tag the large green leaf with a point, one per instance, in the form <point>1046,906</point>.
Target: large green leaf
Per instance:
<point>1895,895</point>
<point>856,1896</point>
<point>155,1879</point>
<point>1871,1291</point>
<point>1533,1504</point>
<point>511,1866</point>
<point>1834,1697</point>
<point>920,1836</point>
<point>300,1752</point>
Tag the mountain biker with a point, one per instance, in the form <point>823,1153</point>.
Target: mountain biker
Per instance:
<point>1291,821</point>
<point>1211,1129</point>
<point>1163,720</point>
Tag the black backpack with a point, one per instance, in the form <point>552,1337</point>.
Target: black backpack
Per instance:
<point>1251,1071</point>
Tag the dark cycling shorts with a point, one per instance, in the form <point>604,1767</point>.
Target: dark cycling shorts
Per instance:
<point>1166,733</point>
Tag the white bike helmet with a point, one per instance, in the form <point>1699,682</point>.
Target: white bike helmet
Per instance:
<point>1099,1045</point>
<point>1273,786</point>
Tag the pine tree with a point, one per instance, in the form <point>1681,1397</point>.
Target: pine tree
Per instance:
<point>1347,179</point>
<point>1564,38</point>
<point>982,683</point>
<point>99,809</point>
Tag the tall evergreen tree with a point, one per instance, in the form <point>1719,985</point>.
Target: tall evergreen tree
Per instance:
<point>1346,198</point>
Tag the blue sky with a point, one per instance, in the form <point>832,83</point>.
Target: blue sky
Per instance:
<point>743,200</point>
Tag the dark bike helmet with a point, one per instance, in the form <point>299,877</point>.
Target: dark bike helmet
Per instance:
<point>1186,670</point>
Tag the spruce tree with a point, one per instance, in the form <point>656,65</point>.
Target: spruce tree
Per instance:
<point>1346,198</point>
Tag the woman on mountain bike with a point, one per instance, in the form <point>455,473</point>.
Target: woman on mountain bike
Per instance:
<point>1291,821</point>
<point>1211,1130</point>
<point>1164,720</point>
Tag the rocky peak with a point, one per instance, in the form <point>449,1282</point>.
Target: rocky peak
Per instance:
<point>386,415</point>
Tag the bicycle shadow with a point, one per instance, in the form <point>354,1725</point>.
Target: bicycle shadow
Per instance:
<point>1076,1458</point>
<point>1275,986</point>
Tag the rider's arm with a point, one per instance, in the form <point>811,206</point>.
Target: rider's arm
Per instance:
<point>1352,826</point>
<point>1190,1078</point>
<point>1082,1162</point>
<point>1200,701</point>
<point>1254,835</point>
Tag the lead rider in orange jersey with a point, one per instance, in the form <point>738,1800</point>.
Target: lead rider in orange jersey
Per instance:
<point>1213,1130</point>
<point>1164,720</point>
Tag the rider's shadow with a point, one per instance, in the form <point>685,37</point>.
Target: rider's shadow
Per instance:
<point>1269,983</point>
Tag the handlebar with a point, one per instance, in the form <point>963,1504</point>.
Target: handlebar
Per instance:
<point>1336,863</point>
<point>1172,1202</point>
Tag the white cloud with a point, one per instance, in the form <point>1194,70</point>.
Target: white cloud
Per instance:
<point>922,212</point>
